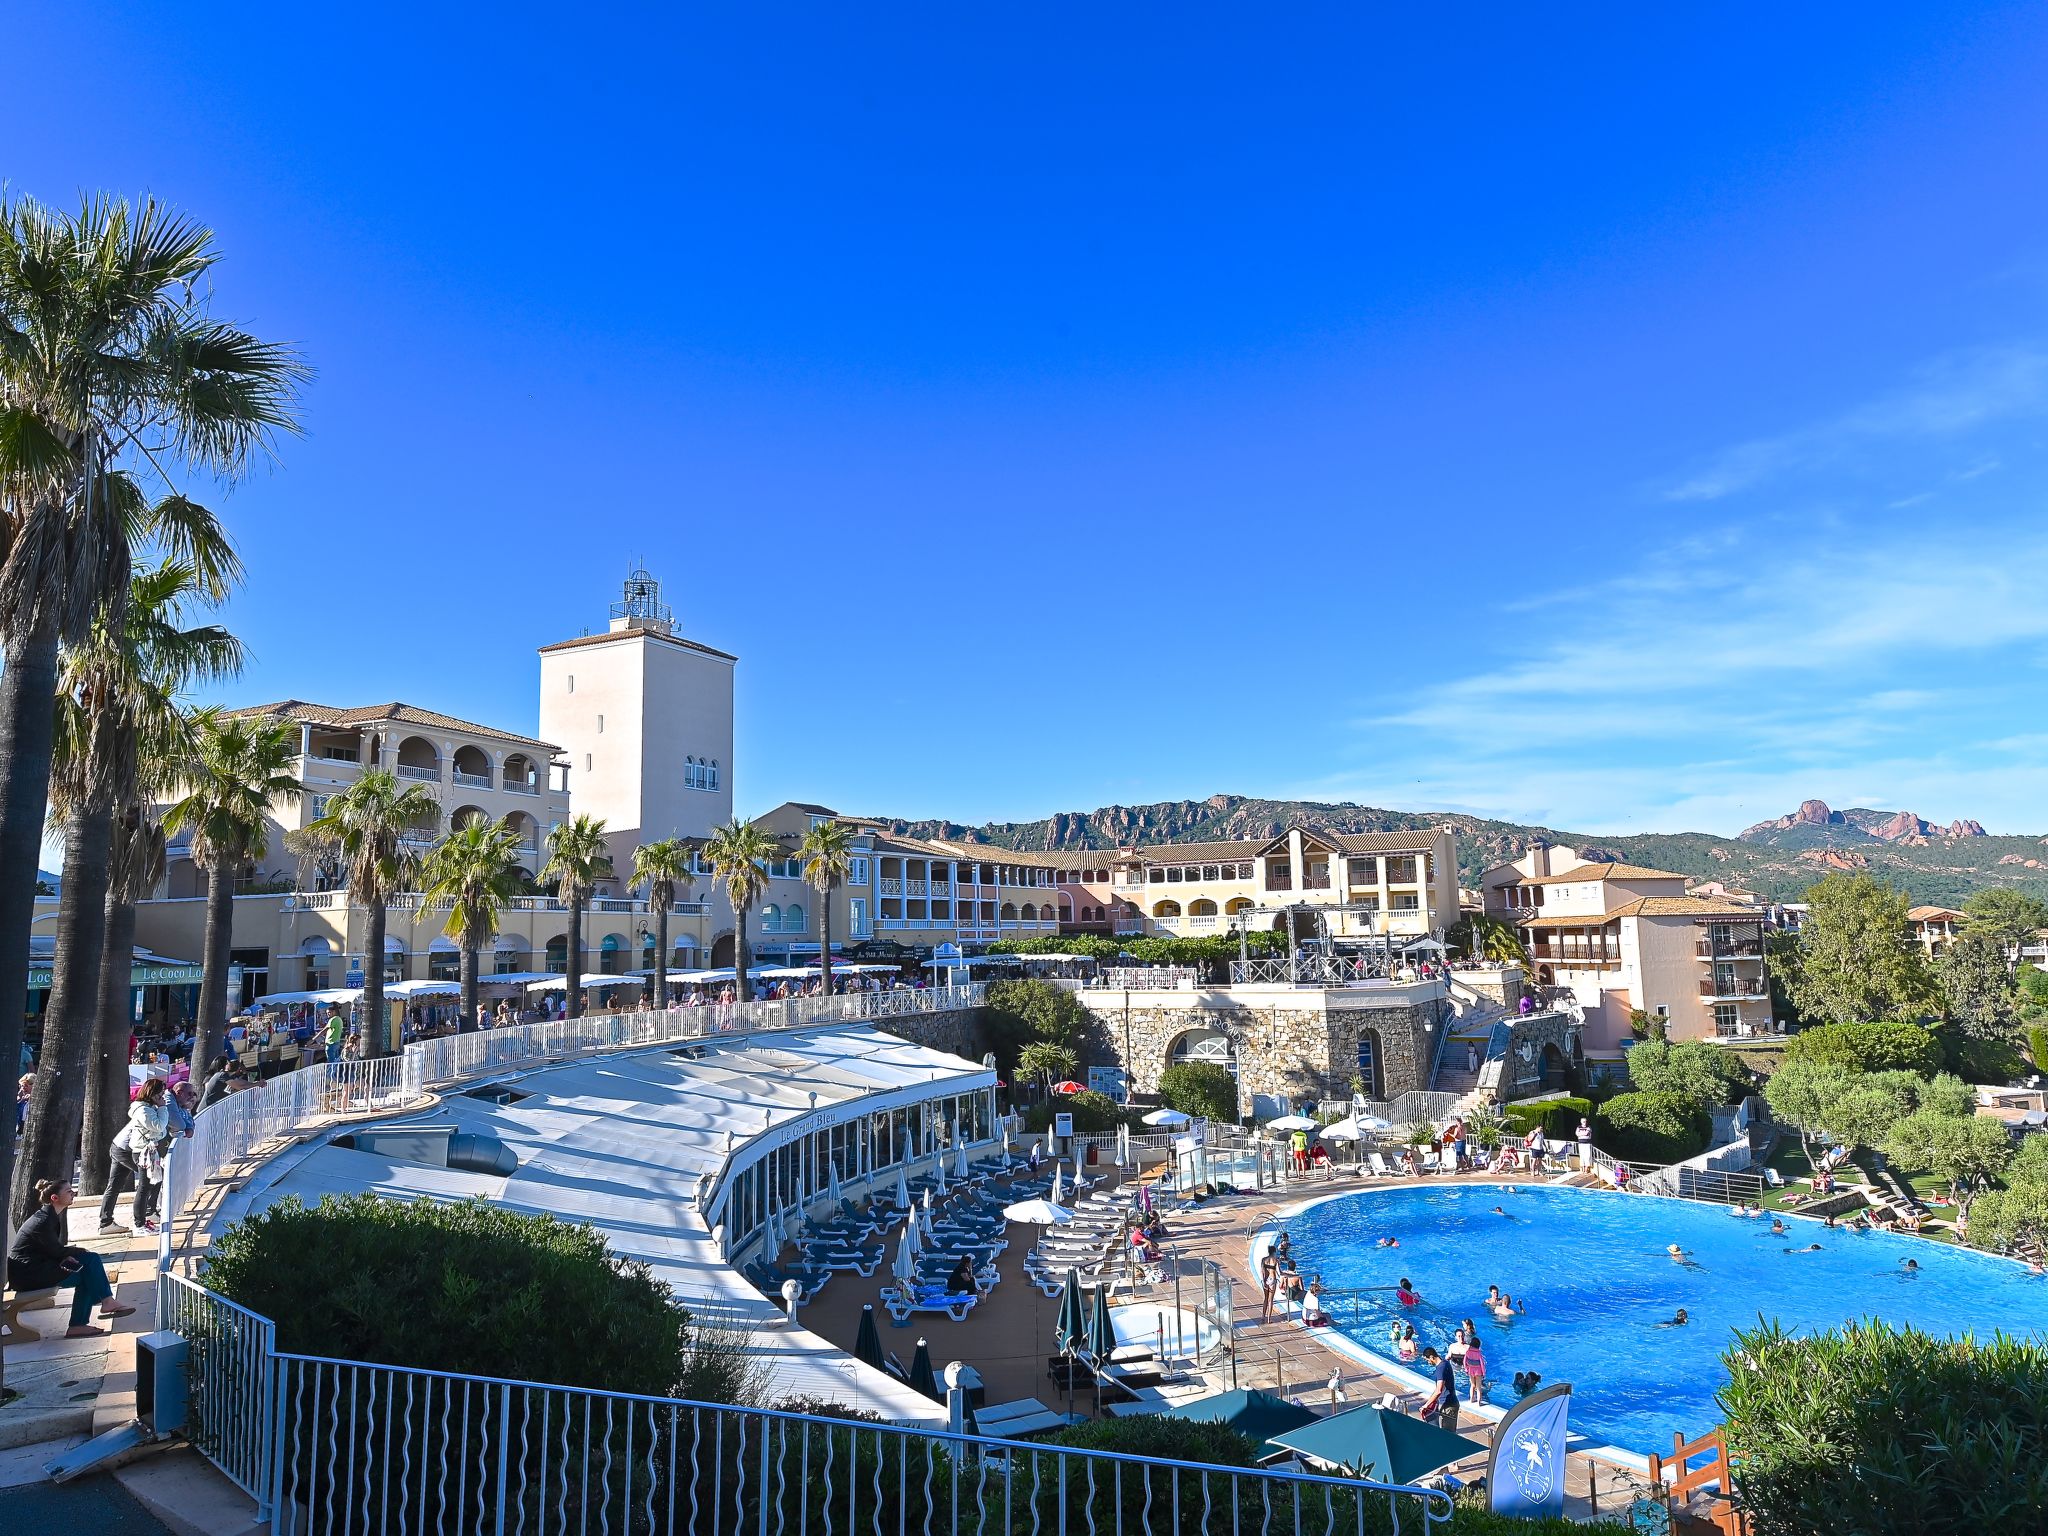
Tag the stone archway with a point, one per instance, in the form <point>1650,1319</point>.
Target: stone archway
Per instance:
<point>1553,1071</point>
<point>723,951</point>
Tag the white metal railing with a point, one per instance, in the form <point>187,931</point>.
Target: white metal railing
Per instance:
<point>519,789</point>
<point>410,771</point>
<point>473,780</point>
<point>1150,978</point>
<point>231,1130</point>
<point>324,1444</point>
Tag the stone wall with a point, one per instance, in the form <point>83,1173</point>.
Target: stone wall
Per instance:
<point>1298,1044</point>
<point>958,1032</point>
<point>1522,1077</point>
<point>1497,984</point>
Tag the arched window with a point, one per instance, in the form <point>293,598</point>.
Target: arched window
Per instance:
<point>1166,909</point>
<point>611,959</point>
<point>771,918</point>
<point>1210,1045</point>
<point>558,954</point>
<point>1237,904</point>
<point>1030,913</point>
<point>793,918</point>
<point>1009,913</point>
<point>1202,908</point>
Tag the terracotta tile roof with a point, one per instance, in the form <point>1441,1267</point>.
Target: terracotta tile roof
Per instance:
<point>1934,914</point>
<point>1686,906</point>
<point>380,714</point>
<point>627,634</point>
<point>1586,872</point>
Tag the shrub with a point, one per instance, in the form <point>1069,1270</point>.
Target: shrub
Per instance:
<point>1652,1127</point>
<point>1559,1117</point>
<point>1700,1071</point>
<point>1978,1060</point>
<point>1879,1046</point>
<point>1874,1428</point>
<point>2037,1047</point>
<point>1094,1113</point>
<point>465,1287</point>
<point>1200,1088</point>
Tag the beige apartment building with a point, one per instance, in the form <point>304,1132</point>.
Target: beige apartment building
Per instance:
<point>1622,938</point>
<point>476,771</point>
<point>1935,929</point>
<point>1352,885</point>
<point>919,893</point>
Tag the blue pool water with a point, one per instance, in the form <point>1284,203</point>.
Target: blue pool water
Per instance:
<point>1593,1270</point>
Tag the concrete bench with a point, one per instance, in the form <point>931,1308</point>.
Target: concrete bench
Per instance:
<point>12,1329</point>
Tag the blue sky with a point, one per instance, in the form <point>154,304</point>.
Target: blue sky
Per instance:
<point>1624,419</point>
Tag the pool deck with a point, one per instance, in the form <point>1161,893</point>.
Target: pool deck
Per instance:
<point>1008,1336</point>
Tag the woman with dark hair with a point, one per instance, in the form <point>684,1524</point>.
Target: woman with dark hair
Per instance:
<point>40,1256</point>
<point>137,1150</point>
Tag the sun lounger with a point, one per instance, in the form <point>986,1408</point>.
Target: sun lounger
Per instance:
<point>1026,1416</point>
<point>901,1306</point>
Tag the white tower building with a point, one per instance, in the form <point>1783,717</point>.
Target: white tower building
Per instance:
<point>644,718</point>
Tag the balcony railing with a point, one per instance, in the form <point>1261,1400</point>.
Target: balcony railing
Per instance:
<point>891,885</point>
<point>473,780</point>
<point>1730,949</point>
<point>1734,988</point>
<point>337,755</point>
<point>519,789</point>
<point>1315,882</point>
<point>413,771</point>
<point>913,887</point>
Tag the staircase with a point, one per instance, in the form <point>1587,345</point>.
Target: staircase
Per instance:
<point>1472,1023</point>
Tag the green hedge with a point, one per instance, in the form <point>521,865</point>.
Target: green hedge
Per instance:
<point>1652,1127</point>
<point>465,1287</point>
<point>2037,1047</point>
<point>1095,1114</point>
<point>1874,1429</point>
<point>1879,1046</point>
<point>1200,1088</point>
<point>1559,1117</point>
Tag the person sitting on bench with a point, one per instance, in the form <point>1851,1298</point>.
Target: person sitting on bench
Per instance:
<point>39,1258</point>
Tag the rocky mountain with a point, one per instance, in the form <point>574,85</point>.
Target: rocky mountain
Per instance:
<point>1780,858</point>
<point>1815,825</point>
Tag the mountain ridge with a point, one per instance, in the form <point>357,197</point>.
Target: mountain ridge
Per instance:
<point>1935,865</point>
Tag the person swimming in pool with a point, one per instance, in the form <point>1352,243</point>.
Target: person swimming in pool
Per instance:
<point>1809,1248</point>
<point>1677,1320</point>
<point>1493,1296</point>
<point>1387,1242</point>
<point>1681,1256</point>
<point>1505,1308</point>
<point>1406,1294</point>
<point>1510,1216</point>
<point>1777,1226</point>
<point>1911,1266</point>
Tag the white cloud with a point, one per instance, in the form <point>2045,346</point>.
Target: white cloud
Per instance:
<point>1951,396</point>
<point>1707,697</point>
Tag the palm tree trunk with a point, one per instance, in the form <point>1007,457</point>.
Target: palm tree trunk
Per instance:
<point>106,1074</point>
<point>825,942</point>
<point>469,964</point>
<point>573,984</point>
<point>28,717</point>
<point>743,956</point>
<point>210,1032</point>
<point>661,954</point>
<point>376,1020</point>
<point>70,1025</point>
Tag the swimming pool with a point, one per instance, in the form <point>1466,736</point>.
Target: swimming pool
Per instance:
<point>1593,1271</point>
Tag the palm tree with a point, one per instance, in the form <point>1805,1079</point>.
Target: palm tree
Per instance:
<point>136,863</point>
<point>665,866</point>
<point>578,857</point>
<point>739,853</point>
<point>475,869</point>
<point>108,355</point>
<point>120,689</point>
<point>240,767</point>
<point>827,852</point>
<point>370,828</point>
